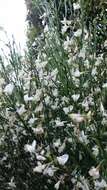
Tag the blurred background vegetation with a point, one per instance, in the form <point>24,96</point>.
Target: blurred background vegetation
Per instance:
<point>93,12</point>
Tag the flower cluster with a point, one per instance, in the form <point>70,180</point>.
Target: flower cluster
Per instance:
<point>53,112</point>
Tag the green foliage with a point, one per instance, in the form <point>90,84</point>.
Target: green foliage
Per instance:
<point>32,33</point>
<point>53,112</point>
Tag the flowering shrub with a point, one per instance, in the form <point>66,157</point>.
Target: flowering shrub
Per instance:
<point>53,110</point>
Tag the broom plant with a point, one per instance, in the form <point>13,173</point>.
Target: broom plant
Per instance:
<point>53,110</point>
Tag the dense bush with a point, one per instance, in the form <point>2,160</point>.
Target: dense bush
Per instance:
<point>53,108</point>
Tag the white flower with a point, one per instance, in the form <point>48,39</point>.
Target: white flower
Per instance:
<point>102,109</point>
<point>83,137</point>
<point>39,168</point>
<point>76,117</point>
<point>64,29</point>
<point>46,29</point>
<point>49,171</point>
<point>42,152</point>
<point>21,110</point>
<point>76,73</point>
<point>68,44</point>
<point>38,95</point>
<point>95,150</point>
<point>38,130</point>
<point>78,33</point>
<point>53,74</point>
<point>105,85</point>
<point>75,97</point>
<point>82,53</point>
<point>68,109</point>
<point>66,24</point>
<point>55,92</point>
<point>76,6</point>
<point>39,108</point>
<point>32,120</point>
<point>85,105</point>
<point>30,148</point>
<point>1,91</point>
<point>57,143</point>
<point>94,172</point>
<point>9,89</point>
<point>40,158</point>
<point>47,100</point>
<point>61,148</point>
<point>94,72</point>
<point>69,140</point>
<point>12,183</point>
<point>63,159</point>
<point>59,123</point>
<point>82,184</point>
<point>100,184</point>
<point>65,99</point>
<point>27,98</point>
<point>98,61</point>
<point>43,17</point>
<point>105,43</point>
<point>41,65</point>
<point>2,81</point>
<point>57,185</point>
